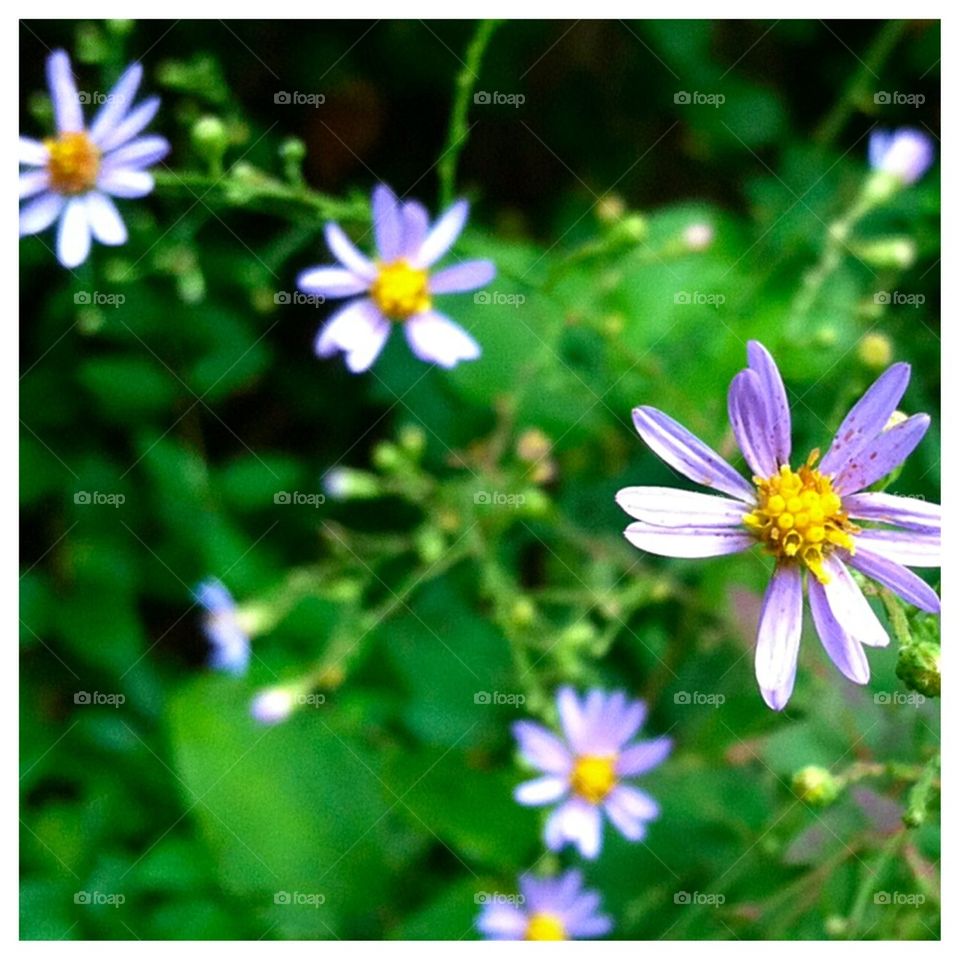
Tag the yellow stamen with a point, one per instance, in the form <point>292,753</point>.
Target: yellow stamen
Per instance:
<point>593,777</point>
<point>73,163</point>
<point>800,517</point>
<point>400,290</point>
<point>545,926</point>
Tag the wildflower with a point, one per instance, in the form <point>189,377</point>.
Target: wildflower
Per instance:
<point>804,518</point>
<point>906,153</point>
<point>698,236</point>
<point>397,287</point>
<point>586,772</point>
<point>228,637</point>
<point>274,705</point>
<point>72,176</point>
<point>548,909</point>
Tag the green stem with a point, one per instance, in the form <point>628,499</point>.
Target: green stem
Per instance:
<point>870,877</point>
<point>918,800</point>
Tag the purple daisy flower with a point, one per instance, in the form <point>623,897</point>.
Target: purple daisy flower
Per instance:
<point>397,287</point>
<point>905,153</point>
<point>230,642</point>
<point>549,909</point>
<point>585,771</point>
<point>72,176</point>
<point>803,517</point>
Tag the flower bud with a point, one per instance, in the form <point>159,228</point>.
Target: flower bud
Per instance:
<point>918,666</point>
<point>610,208</point>
<point>273,705</point>
<point>875,351</point>
<point>816,786</point>
<point>210,139</point>
<point>344,483</point>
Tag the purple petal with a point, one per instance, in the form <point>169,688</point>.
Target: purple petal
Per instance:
<point>331,282</point>
<point>542,748</point>
<point>633,828</point>
<point>38,214</point>
<point>748,417</point>
<point>867,417</point>
<point>33,182</point>
<point>67,111</point>
<point>536,793</point>
<point>642,757</point>
<point>775,398</point>
<point>344,250</point>
<point>778,636</point>
<point>906,153</point>
<point>632,801</point>
<point>130,126</point>
<point>842,648</point>
<point>624,720</point>
<point>73,235</point>
<point>119,101</point>
<point>105,222</point>
<point>32,153</point>
<point>502,921</point>
<point>911,548</point>
<point>387,225</point>
<point>139,153</point>
<point>416,224</point>
<point>575,822</point>
<point>909,512</point>
<point>903,582</point>
<point>667,507</point>
<point>679,448</point>
<point>881,455</point>
<point>442,235</point>
<point>435,339</point>
<point>850,607</point>
<point>688,542</point>
<point>591,927</point>
<point>463,277</point>
<point>125,183</point>
<point>571,717</point>
<point>359,330</point>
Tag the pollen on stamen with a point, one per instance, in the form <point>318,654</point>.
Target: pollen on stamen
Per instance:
<point>400,290</point>
<point>73,163</point>
<point>593,777</point>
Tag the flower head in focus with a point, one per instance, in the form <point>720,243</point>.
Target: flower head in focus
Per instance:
<point>548,909</point>
<point>72,176</point>
<point>810,519</point>
<point>586,771</point>
<point>229,641</point>
<point>905,153</point>
<point>398,287</point>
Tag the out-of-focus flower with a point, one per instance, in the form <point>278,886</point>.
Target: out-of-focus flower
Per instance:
<point>698,236</point>
<point>229,640</point>
<point>905,153</point>
<point>397,287</point>
<point>804,517</point>
<point>586,771</point>
<point>548,909</point>
<point>273,705</point>
<point>72,176</point>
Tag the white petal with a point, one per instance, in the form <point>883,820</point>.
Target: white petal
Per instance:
<point>73,237</point>
<point>435,339</point>
<point>33,182</point>
<point>635,802</point>
<point>331,282</point>
<point>137,154</point>
<point>535,793</point>
<point>341,247</point>
<point>125,183</point>
<point>910,548</point>
<point>442,235</point>
<point>778,636</point>
<point>104,220</point>
<point>63,92</point>
<point>850,607</point>
<point>119,101</point>
<point>667,507</point>
<point>130,126</point>
<point>32,153</point>
<point>688,542</point>
<point>38,214</point>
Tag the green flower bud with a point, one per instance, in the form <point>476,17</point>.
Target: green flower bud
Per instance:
<point>413,440</point>
<point>918,666</point>
<point>431,544</point>
<point>632,229</point>
<point>386,456</point>
<point>896,252</point>
<point>880,187</point>
<point>343,483</point>
<point>523,613</point>
<point>210,139</point>
<point>816,786</point>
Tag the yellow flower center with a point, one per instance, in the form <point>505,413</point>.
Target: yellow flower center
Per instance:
<point>593,777</point>
<point>400,290</point>
<point>73,164</point>
<point>799,517</point>
<point>545,926</point>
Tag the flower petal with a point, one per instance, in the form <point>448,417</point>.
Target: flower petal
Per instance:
<point>634,802</point>
<point>125,183</point>
<point>542,748</point>
<point>416,225</point>
<point>138,153</point>
<point>387,225</point>
<point>32,153</point>
<point>775,397</point>
<point>130,126</point>
<point>867,417</point>
<point>571,716</point>
<point>679,448</point>
<point>911,548</point>
<point>843,649</point>
<point>435,339</point>
<point>642,757</point>
<point>850,607</point>
<point>748,417</point>
<point>881,455</point>
<point>688,542</point>
<point>778,636</point>
<point>33,182</point>
<point>442,235</point>
<point>668,507</point>
<point>73,236</point>
<point>463,277</point>
<point>343,249</point>
<point>591,927</point>
<point>331,282</point>
<point>38,214</point>
<point>359,330</point>
<point>575,822</point>
<point>536,793</point>
<point>910,512</point>
<point>633,828</point>
<point>502,921</point>
<point>105,221</point>
<point>903,582</point>
<point>119,101</point>
<point>67,111</point>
